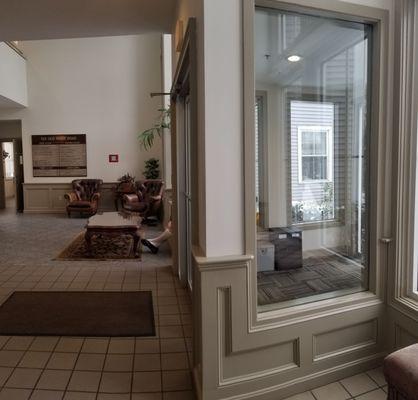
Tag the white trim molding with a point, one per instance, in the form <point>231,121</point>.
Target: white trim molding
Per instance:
<point>404,250</point>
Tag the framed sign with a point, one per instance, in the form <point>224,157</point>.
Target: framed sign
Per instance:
<point>59,155</point>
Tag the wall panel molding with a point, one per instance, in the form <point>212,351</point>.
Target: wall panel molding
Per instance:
<point>234,361</point>
<point>48,198</point>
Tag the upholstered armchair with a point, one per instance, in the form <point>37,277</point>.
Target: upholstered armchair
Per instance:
<point>148,199</point>
<point>84,198</point>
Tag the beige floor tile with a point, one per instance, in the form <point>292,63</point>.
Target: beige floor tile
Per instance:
<point>168,320</point>
<point>46,395</point>
<point>188,331</point>
<point>146,346</point>
<point>333,391</point>
<point>24,378</point>
<point>79,396</point>
<point>173,346</point>
<point>174,361</point>
<point>95,346</point>
<point>5,372</point>
<point>53,380</point>
<point>174,331</point>
<point>121,346</point>
<point>385,388</point>
<point>378,394</point>
<point>113,396</point>
<point>34,359</point>
<point>62,361</point>
<point>302,396</point>
<point>176,380</point>
<point>90,362</point>
<point>84,381</point>
<point>3,340</point>
<point>147,396</point>
<point>147,362</point>
<point>10,358</point>
<point>19,343</point>
<point>116,382</point>
<point>167,301</point>
<point>183,395</point>
<point>358,384</point>
<point>119,362</point>
<point>377,375</point>
<point>14,394</point>
<point>168,310</point>
<point>69,345</point>
<point>146,382</point>
<point>44,344</point>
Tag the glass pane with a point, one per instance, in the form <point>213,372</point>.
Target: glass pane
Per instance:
<point>308,143</point>
<point>312,161</point>
<point>314,168</point>
<point>320,143</point>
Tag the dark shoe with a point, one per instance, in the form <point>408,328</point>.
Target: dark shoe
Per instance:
<point>147,243</point>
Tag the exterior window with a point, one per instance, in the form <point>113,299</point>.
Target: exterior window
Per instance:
<point>315,154</point>
<point>312,156</point>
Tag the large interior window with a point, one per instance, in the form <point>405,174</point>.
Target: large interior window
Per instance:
<point>312,157</point>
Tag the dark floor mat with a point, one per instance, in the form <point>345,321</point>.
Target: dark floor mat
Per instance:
<point>78,314</point>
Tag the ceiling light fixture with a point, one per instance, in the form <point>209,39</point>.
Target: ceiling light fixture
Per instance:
<point>294,58</point>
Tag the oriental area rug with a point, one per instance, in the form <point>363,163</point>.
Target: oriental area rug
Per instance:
<point>103,247</point>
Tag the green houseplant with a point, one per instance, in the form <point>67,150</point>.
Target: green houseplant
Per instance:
<point>152,169</point>
<point>147,137</point>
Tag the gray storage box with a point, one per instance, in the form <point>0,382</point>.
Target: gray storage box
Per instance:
<point>265,256</point>
<point>287,248</point>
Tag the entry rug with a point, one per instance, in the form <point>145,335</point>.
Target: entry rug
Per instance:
<point>103,247</point>
<point>78,314</point>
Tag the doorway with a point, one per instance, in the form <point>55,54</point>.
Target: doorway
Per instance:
<point>11,167</point>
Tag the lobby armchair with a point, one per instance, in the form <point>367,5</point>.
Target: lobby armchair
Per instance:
<point>148,199</point>
<point>85,196</point>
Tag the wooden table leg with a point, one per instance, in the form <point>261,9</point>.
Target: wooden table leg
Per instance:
<point>137,243</point>
<point>87,237</point>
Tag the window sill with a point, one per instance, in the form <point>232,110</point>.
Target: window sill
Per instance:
<point>306,226</point>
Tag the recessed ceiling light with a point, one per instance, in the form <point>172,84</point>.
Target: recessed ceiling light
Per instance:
<point>294,58</point>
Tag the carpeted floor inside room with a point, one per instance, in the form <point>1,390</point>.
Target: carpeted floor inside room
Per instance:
<point>322,272</point>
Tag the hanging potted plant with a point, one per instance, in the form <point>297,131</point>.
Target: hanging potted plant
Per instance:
<point>147,137</point>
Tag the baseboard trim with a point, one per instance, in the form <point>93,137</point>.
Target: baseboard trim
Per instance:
<point>310,381</point>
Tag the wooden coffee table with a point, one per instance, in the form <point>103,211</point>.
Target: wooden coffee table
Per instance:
<point>114,224</point>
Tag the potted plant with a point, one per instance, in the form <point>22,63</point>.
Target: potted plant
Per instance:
<point>147,138</point>
<point>152,169</point>
<point>126,184</point>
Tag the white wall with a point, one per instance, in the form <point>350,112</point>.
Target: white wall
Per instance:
<point>12,76</point>
<point>96,86</point>
<point>224,128</point>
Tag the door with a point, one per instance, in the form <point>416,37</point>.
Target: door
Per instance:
<point>188,191</point>
<point>184,155</point>
<point>18,165</point>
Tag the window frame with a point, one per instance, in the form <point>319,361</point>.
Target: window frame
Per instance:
<point>381,121</point>
<point>329,153</point>
<point>403,246</point>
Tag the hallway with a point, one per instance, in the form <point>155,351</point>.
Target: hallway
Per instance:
<point>91,368</point>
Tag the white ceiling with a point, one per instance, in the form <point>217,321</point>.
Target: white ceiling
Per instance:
<point>56,19</point>
<point>320,39</point>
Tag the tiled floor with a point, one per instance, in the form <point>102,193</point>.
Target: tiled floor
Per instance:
<point>366,386</point>
<point>81,368</point>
